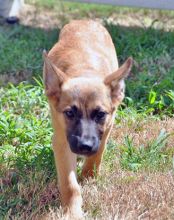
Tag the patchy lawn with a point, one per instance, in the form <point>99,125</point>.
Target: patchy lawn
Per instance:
<point>137,178</point>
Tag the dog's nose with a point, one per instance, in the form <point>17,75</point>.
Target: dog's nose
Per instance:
<point>87,144</point>
<point>86,147</point>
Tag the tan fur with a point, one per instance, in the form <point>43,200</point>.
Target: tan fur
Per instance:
<point>82,70</point>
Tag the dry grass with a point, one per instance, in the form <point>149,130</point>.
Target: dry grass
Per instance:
<point>119,195</point>
<point>33,193</point>
<point>15,78</point>
<point>126,195</point>
<point>115,194</point>
<point>143,130</point>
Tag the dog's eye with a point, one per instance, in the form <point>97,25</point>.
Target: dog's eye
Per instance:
<point>69,114</point>
<point>100,116</point>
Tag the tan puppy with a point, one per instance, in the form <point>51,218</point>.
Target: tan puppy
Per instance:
<point>84,87</point>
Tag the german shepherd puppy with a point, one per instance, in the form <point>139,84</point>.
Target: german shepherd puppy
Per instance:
<point>84,87</point>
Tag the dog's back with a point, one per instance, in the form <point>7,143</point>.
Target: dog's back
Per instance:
<point>84,47</point>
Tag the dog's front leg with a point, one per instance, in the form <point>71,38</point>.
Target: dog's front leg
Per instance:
<point>69,189</point>
<point>91,166</point>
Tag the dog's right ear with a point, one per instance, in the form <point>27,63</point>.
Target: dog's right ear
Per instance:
<point>116,81</point>
<point>53,77</point>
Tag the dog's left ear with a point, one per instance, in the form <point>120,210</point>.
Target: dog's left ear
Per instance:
<point>116,81</point>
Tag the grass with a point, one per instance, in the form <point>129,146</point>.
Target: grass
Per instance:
<point>102,10</point>
<point>137,170</point>
<point>23,39</point>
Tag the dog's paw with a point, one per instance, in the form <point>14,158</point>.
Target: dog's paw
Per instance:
<point>88,174</point>
<point>74,215</point>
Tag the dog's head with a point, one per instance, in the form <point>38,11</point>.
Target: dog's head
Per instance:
<point>83,107</point>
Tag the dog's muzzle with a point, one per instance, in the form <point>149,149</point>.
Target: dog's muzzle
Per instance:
<point>84,145</point>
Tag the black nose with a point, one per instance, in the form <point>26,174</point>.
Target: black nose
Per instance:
<point>87,144</point>
<point>86,147</point>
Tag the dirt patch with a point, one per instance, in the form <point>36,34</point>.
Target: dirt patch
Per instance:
<point>36,17</point>
<point>47,19</point>
<point>15,78</point>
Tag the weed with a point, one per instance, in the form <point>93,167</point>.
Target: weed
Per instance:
<point>153,156</point>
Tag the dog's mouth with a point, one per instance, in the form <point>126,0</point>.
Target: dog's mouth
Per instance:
<point>82,153</point>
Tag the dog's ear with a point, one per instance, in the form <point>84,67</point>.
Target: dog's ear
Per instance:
<point>116,81</point>
<point>53,77</point>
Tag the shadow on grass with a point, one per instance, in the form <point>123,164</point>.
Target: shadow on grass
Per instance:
<point>21,51</point>
<point>152,49</point>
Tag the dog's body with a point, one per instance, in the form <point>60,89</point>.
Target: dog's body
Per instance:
<point>84,87</point>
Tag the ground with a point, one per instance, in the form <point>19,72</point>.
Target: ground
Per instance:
<point>136,180</point>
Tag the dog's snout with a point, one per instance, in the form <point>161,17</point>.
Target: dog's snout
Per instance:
<point>86,145</point>
<point>85,142</point>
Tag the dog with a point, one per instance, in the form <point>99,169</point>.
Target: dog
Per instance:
<point>84,86</point>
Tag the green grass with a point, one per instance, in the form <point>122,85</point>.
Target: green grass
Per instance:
<point>153,71</point>
<point>25,144</point>
<point>25,130</point>
<point>156,94</point>
<point>26,157</point>
<point>21,48</point>
<point>153,156</point>
<point>151,49</point>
